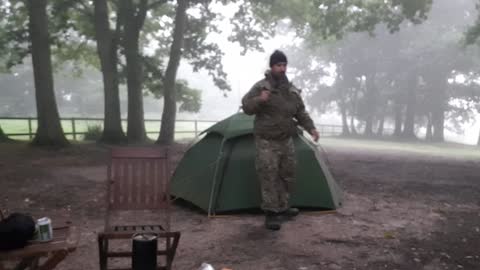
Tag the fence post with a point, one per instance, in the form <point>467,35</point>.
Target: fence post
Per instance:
<point>73,129</point>
<point>196,128</point>
<point>30,135</point>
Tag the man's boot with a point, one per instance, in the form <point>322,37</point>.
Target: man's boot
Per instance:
<point>272,221</point>
<point>290,213</point>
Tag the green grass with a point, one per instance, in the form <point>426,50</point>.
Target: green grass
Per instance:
<point>450,150</point>
<point>185,130</point>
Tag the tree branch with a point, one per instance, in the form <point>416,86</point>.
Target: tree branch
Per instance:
<point>119,22</point>
<point>141,14</point>
<point>87,11</point>
<point>156,4</point>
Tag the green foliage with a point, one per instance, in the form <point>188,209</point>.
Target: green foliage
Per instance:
<point>13,33</point>
<point>72,31</point>
<point>72,34</point>
<point>189,98</point>
<point>324,19</point>
<point>473,33</point>
<point>200,53</point>
<point>374,72</point>
<point>253,22</point>
<point>80,54</point>
<point>153,75</point>
<point>94,133</point>
<point>70,28</point>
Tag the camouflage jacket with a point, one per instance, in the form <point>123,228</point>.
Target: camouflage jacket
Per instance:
<point>274,118</point>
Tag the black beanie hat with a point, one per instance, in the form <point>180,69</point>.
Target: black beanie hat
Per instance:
<point>277,57</point>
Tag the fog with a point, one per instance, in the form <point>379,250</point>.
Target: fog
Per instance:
<point>367,78</point>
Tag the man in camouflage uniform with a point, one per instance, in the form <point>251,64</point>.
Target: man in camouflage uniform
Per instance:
<point>275,102</point>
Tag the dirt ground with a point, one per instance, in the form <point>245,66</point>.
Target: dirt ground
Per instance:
<point>401,211</point>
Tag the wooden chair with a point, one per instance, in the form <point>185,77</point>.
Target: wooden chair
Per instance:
<point>138,179</point>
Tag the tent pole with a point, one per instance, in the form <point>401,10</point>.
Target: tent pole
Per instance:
<point>210,202</point>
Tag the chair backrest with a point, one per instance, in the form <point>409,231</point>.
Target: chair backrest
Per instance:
<point>138,178</point>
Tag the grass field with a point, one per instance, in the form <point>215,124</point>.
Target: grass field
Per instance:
<point>185,128</point>
<point>445,149</point>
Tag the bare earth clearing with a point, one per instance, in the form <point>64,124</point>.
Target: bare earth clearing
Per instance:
<point>402,210</point>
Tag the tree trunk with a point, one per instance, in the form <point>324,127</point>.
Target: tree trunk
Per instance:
<point>371,101</point>
<point>3,137</point>
<point>352,125</point>
<point>381,126</point>
<point>107,46</point>
<point>133,25</point>
<point>343,111</point>
<point>368,127</point>
<point>352,116</point>
<point>438,122</point>
<point>409,127</point>
<point>429,135</point>
<point>167,129</point>
<point>49,131</point>
<point>398,118</point>
<point>478,141</point>
<point>438,115</point>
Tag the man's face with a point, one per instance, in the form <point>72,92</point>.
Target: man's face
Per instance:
<point>279,70</point>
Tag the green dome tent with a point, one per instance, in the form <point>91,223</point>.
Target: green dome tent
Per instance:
<point>217,173</point>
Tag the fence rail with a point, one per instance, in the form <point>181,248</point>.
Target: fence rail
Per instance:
<point>76,127</point>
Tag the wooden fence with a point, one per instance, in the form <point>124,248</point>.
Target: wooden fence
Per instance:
<point>76,127</point>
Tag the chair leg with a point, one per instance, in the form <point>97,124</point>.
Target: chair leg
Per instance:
<point>169,257</point>
<point>54,260</point>
<point>169,261</point>
<point>171,250</point>
<point>102,252</point>
<point>35,263</point>
<point>24,264</point>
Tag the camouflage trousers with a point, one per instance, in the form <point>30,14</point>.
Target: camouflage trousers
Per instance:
<point>275,165</point>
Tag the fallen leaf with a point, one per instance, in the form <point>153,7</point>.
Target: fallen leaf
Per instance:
<point>388,235</point>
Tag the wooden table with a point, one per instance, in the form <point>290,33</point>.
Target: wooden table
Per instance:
<point>43,256</point>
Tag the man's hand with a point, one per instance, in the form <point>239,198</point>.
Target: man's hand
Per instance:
<point>315,135</point>
<point>264,95</point>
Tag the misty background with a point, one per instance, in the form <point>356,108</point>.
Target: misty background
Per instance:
<point>407,82</point>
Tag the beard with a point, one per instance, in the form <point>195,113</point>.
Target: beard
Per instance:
<point>279,76</point>
<point>281,80</point>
